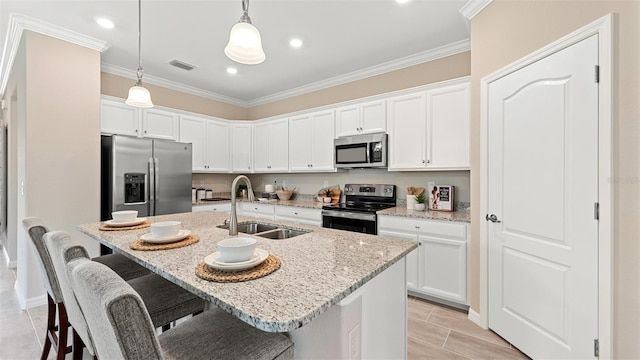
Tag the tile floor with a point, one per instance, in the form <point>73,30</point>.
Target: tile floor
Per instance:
<point>435,332</point>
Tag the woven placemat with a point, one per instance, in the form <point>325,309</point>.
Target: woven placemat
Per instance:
<point>105,227</point>
<point>147,246</point>
<point>271,264</point>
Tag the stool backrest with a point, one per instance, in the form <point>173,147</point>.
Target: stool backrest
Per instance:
<point>63,248</point>
<point>117,317</point>
<point>36,229</point>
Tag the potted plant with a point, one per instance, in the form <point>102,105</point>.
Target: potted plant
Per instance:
<point>420,199</point>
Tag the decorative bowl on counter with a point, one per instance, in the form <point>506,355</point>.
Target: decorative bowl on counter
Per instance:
<point>124,216</point>
<point>284,194</point>
<point>236,249</point>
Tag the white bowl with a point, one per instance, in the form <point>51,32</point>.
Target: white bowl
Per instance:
<point>165,228</point>
<point>124,216</point>
<point>236,249</point>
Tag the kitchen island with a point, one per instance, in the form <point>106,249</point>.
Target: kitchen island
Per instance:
<point>337,294</point>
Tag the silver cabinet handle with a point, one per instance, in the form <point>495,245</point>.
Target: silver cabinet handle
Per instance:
<point>493,218</point>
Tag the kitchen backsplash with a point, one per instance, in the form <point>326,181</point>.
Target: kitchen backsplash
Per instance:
<point>309,184</point>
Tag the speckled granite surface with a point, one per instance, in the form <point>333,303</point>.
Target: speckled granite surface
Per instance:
<point>458,216</point>
<point>318,269</point>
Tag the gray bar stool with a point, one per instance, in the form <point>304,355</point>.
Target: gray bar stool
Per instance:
<point>124,267</point>
<point>122,327</point>
<point>164,300</point>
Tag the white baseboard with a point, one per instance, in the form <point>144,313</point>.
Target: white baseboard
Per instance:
<point>475,318</point>
<point>10,264</point>
<point>30,302</point>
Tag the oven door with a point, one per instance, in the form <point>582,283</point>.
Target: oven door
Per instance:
<point>350,221</point>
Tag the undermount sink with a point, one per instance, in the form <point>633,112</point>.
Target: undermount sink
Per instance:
<point>282,233</point>
<point>251,227</point>
<point>268,231</point>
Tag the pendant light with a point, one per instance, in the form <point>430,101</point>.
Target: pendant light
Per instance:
<point>139,96</point>
<point>245,44</point>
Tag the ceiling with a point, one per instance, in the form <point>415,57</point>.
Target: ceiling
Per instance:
<point>343,40</point>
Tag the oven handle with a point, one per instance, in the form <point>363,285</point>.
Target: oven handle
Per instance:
<point>349,215</point>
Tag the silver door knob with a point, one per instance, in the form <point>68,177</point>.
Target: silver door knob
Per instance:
<point>493,218</point>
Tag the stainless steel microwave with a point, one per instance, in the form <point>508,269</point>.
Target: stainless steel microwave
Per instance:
<point>361,151</point>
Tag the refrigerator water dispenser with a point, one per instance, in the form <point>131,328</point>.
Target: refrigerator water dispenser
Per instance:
<point>134,187</point>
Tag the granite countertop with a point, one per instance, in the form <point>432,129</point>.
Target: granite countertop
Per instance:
<point>310,204</point>
<point>318,269</point>
<point>457,216</point>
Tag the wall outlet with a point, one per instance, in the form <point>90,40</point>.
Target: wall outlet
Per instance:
<point>355,343</point>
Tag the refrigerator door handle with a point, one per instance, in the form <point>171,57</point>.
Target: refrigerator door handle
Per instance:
<point>156,173</point>
<point>150,194</point>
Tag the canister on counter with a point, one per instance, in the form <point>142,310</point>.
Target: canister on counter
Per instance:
<point>200,193</point>
<point>193,195</point>
<point>208,194</point>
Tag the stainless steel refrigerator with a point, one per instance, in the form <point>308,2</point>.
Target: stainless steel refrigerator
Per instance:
<point>148,175</point>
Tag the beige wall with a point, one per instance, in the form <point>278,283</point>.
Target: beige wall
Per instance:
<point>62,133</point>
<point>118,86</point>
<point>447,68</point>
<point>507,30</point>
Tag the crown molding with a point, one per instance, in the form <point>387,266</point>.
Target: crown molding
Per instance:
<point>411,60</point>
<point>158,81</point>
<point>19,23</point>
<point>473,7</point>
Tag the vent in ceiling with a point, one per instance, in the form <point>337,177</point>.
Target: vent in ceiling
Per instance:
<point>182,65</point>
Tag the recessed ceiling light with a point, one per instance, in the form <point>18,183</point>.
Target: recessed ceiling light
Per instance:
<point>295,43</point>
<point>232,70</point>
<point>105,23</point>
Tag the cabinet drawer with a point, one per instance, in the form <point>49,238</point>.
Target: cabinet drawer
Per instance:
<point>255,207</point>
<point>301,213</point>
<point>427,227</point>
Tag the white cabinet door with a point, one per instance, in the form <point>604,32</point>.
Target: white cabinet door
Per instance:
<point>411,259</point>
<point>322,134</point>
<point>443,268</point>
<point>255,209</point>
<point>159,124</point>
<point>279,147</point>
<point>193,130</point>
<point>261,144</point>
<point>368,117</point>
<point>348,120</point>
<point>218,146</point>
<point>407,115</point>
<point>300,136</point>
<point>116,117</point>
<point>241,147</point>
<point>299,215</point>
<point>373,116</point>
<point>271,146</point>
<point>224,207</point>
<point>448,127</point>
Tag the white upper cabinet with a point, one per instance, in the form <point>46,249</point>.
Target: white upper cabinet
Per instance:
<point>159,124</point>
<point>448,116</point>
<point>122,119</point>
<point>311,142</point>
<point>241,147</point>
<point>363,118</point>
<point>271,146</point>
<point>407,124</point>
<point>429,130</point>
<point>210,143</point>
<point>116,117</point>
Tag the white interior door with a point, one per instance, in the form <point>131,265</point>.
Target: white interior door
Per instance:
<point>542,187</point>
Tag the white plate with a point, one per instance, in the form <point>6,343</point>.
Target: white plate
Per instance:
<point>114,223</point>
<point>214,261</point>
<point>148,237</point>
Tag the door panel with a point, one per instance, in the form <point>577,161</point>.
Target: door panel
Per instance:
<point>130,155</point>
<point>173,178</point>
<point>543,181</point>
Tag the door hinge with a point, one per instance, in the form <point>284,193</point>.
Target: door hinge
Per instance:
<point>596,348</point>
<point>597,73</point>
<point>596,211</point>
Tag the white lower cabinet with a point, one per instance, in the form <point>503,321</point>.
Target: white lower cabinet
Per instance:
<point>223,207</point>
<point>438,268</point>
<point>255,209</point>
<point>298,215</point>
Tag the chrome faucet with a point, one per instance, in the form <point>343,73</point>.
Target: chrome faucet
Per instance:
<point>233,221</point>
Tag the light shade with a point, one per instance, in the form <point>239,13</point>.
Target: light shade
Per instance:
<point>139,96</point>
<point>245,44</point>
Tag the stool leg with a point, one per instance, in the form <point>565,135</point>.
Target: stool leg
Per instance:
<point>63,326</point>
<point>51,327</point>
<point>78,346</point>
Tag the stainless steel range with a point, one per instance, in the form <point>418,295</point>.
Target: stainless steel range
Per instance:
<point>358,212</point>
